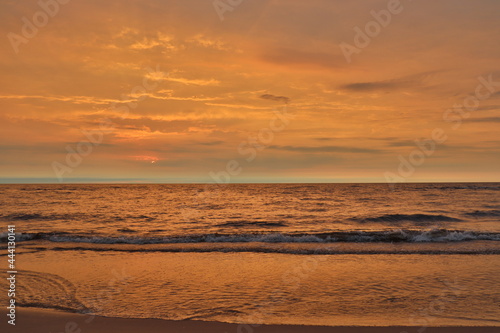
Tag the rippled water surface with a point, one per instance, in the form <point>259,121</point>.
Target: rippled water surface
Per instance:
<point>322,254</point>
<point>154,211</point>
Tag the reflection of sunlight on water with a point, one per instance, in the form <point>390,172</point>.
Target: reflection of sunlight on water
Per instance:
<point>219,253</point>
<point>166,210</point>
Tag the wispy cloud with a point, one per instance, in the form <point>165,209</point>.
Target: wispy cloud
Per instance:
<point>288,56</point>
<point>196,82</point>
<point>270,97</point>
<point>225,80</point>
<point>212,43</point>
<point>325,149</point>
<point>151,125</point>
<point>168,95</point>
<point>484,120</point>
<point>69,99</point>
<point>240,106</point>
<point>392,84</point>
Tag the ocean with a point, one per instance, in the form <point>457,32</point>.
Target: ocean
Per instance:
<point>308,254</point>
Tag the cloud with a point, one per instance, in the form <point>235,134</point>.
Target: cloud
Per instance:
<point>154,125</point>
<point>489,107</point>
<point>239,106</point>
<point>69,99</point>
<point>496,95</point>
<point>227,78</point>
<point>196,82</point>
<point>137,41</point>
<point>270,97</point>
<point>485,120</point>
<point>400,83</point>
<point>168,95</point>
<point>286,56</point>
<point>211,143</point>
<point>207,42</point>
<point>370,138</point>
<point>145,44</point>
<point>403,143</point>
<point>325,149</point>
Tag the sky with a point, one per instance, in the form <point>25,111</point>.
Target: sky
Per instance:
<point>249,91</point>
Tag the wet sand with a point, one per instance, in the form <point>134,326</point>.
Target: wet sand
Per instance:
<point>42,320</point>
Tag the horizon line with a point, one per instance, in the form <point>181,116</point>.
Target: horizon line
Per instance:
<point>135,181</point>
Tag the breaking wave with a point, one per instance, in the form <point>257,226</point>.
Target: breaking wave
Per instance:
<point>243,223</point>
<point>392,236</point>
<point>407,218</point>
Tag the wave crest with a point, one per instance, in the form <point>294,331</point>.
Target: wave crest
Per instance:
<point>416,218</point>
<point>392,236</point>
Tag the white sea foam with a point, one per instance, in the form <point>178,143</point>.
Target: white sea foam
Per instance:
<point>391,236</point>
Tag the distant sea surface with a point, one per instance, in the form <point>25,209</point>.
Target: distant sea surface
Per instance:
<point>320,254</point>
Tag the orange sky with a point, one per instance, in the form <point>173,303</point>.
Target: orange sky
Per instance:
<point>223,81</point>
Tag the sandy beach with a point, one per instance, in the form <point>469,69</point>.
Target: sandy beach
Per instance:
<point>43,320</point>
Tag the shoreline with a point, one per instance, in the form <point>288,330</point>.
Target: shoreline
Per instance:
<point>33,320</point>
